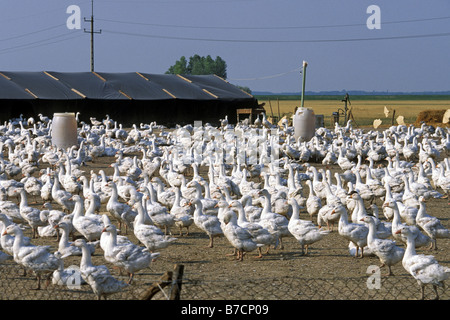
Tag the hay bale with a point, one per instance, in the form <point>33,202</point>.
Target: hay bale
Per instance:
<point>430,117</point>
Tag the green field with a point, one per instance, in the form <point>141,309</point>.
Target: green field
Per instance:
<point>364,108</point>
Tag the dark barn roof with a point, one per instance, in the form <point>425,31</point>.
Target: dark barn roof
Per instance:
<point>131,97</point>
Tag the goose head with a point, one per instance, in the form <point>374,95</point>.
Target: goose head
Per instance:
<point>368,220</point>
<point>338,210</point>
<point>79,243</point>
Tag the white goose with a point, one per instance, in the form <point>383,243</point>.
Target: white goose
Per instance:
<point>90,226</point>
<point>158,213</point>
<point>66,277</point>
<point>117,209</point>
<point>421,239</point>
<point>37,258</point>
<point>152,237</point>
<point>182,213</point>
<point>130,257</point>
<point>252,212</point>
<point>259,234</point>
<point>425,269</point>
<point>65,246</point>
<point>12,210</point>
<point>208,223</point>
<point>98,277</point>
<point>385,249</point>
<point>432,226</point>
<point>354,232</point>
<point>304,231</point>
<point>30,214</point>
<point>7,241</point>
<point>61,196</point>
<point>240,238</point>
<point>275,223</point>
<point>208,204</point>
<point>313,202</point>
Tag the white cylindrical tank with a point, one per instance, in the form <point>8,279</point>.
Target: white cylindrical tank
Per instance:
<point>64,130</point>
<point>304,122</point>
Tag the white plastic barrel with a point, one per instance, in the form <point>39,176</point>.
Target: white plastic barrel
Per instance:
<point>304,124</point>
<point>64,130</point>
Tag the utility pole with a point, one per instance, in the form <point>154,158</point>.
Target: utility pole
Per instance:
<point>92,34</point>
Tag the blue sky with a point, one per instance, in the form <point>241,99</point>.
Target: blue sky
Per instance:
<point>263,41</point>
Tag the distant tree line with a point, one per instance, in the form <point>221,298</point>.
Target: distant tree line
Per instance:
<point>199,65</point>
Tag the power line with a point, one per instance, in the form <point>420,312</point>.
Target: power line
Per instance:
<point>268,28</point>
<point>38,43</point>
<point>269,77</point>
<point>31,33</point>
<point>445,34</point>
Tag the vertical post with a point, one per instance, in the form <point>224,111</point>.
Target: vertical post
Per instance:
<point>92,34</point>
<point>177,281</point>
<point>303,83</point>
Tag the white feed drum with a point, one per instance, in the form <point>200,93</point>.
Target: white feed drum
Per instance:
<point>304,124</point>
<point>64,130</point>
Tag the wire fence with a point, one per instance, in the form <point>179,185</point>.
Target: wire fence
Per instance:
<point>15,285</point>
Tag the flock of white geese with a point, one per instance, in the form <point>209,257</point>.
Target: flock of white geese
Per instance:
<point>259,180</point>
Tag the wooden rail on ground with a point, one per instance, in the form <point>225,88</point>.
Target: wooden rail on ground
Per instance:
<point>172,278</point>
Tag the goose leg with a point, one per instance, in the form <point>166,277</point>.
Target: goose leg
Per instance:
<point>260,253</point>
<point>422,295</point>
<point>39,283</point>
<point>211,242</point>
<point>437,294</point>
<point>130,278</point>
<point>241,258</point>
<point>389,273</point>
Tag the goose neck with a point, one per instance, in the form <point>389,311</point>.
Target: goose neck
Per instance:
<point>241,214</point>
<point>410,248</point>
<point>64,241</point>
<point>86,260</point>
<point>18,241</point>
<point>198,209</point>
<point>371,235</point>
<point>78,209</point>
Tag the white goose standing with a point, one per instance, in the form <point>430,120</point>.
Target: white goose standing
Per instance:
<point>385,249</point>
<point>304,231</point>
<point>98,277</point>
<point>354,232</point>
<point>277,224</point>
<point>129,256</point>
<point>432,226</point>
<point>208,223</point>
<point>37,258</point>
<point>425,269</point>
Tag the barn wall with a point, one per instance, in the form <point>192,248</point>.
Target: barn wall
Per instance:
<point>128,112</point>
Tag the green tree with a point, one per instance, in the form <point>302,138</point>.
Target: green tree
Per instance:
<point>199,65</point>
<point>180,67</point>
